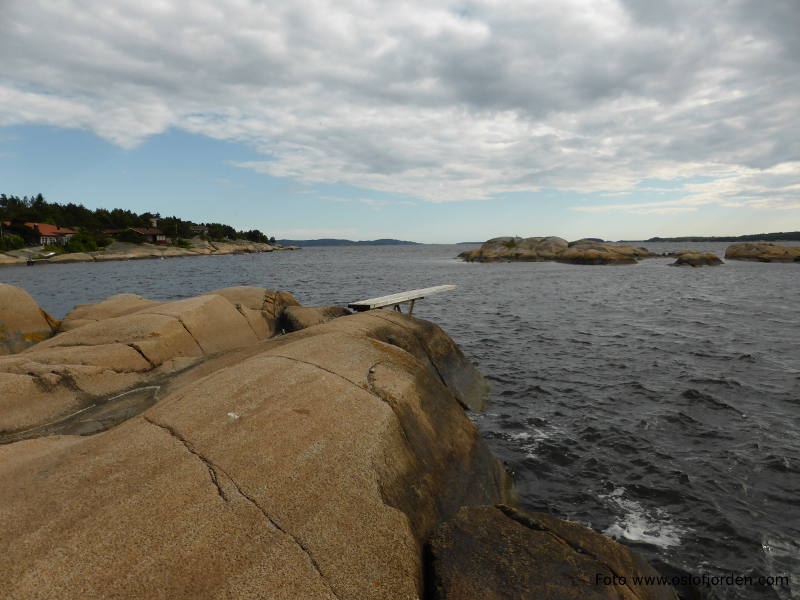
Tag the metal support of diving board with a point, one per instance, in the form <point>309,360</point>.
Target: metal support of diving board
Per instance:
<point>394,301</point>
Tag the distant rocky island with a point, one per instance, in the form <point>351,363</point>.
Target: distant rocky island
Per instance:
<point>338,242</point>
<point>552,248</point>
<point>591,251</point>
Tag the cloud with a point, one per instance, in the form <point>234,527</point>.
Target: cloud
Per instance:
<point>777,188</point>
<point>442,101</point>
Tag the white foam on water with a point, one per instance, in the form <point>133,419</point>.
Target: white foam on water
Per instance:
<point>782,558</point>
<point>638,524</point>
<point>529,440</point>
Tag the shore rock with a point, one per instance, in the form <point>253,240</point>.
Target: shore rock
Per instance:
<point>8,260</point>
<point>262,308</point>
<point>22,322</point>
<point>763,252</point>
<point>314,468</point>
<point>70,257</point>
<point>129,251</point>
<point>296,318</point>
<point>693,258</point>
<point>537,249</point>
<point>501,553</point>
<point>101,355</point>
<point>113,306</point>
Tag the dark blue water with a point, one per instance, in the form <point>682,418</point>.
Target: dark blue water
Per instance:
<point>658,405</point>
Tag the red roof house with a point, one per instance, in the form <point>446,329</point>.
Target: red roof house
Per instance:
<point>47,234</point>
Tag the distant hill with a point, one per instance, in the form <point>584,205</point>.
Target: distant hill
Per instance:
<point>337,242</point>
<point>781,236</point>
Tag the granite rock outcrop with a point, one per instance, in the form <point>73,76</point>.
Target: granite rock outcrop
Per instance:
<point>22,322</point>
<point>296,318</point>
<point>763,252</point>
<point>121,343</point>
<point>538,249</point>
<point>311,465</point>
<point>695,258</point>
<point>500,552</point>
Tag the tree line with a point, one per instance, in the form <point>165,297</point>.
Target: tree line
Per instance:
<point>780,236</point>
<point>93,224</point>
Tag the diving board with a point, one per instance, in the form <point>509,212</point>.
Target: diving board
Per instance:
<point>395,300</point>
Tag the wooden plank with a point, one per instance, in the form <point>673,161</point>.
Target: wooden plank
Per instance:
<point>399,298</point>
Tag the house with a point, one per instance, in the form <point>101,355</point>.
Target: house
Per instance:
<point>199,229</point>
<point>42,234</point>
<point>150,234</point>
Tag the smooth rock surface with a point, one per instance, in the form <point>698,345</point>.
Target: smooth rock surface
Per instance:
<point>315,468</point>
<point>146,343</point>
<point>70,257</point>
<point>536,249</point>
<point>692,258</point>
<point>8,260</point>
<point>22,322</point>
<point>213,322</point>
<point>296,318</point>
<point>262,308</point>
<point>498,553</point>
<point>763,252</point>
<point>113,306</point>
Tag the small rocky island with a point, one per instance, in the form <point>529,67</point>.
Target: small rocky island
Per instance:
<point>695,258</point>
<point>538,249</point>
<point>239,445</point>
<point>763,252</point>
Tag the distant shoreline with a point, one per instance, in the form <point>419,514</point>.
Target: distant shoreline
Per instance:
<point>340,242</point>
<point>781,236</point>
<point>127,251</point>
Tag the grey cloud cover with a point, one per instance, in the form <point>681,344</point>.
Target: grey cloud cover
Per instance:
<point>441,101</point>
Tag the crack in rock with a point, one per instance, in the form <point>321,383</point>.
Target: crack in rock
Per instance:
<point>240,309</point>
<point>213,470</point>
<point>135,347</point>
<point>191,335</point>
<point>305,362</point>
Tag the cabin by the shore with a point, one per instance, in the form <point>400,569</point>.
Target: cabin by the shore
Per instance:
<point>42,234</point>
<point>150,234</point>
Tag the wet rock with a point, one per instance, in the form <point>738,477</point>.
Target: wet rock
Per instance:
<point>501,553</point>
<point>692,258</point>
<point>296,318</point>
<point>763,252</point>
<point>22,322</point>
<point>313,469</point>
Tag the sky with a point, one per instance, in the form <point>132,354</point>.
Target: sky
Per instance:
<point>429,121</point>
